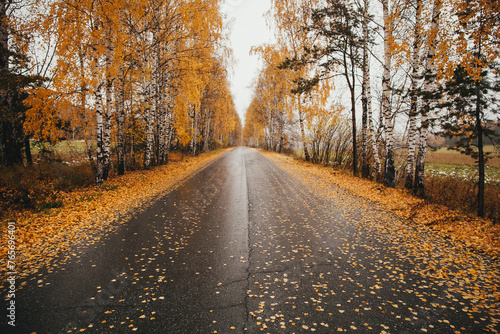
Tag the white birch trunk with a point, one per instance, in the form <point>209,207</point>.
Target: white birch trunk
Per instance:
<point>377,168</point>
<point>415,77</point>
<point>149,119</point>
<point>108,85</point>
<point>99,111</point>
<point>99,136</point>
<point>390,172</point>
<point>365,167</point>
<point>162,120</point>
<point>194,131</point>
<point>206,134</point>
<point>429,86</point>
<point>120,120</point>
<point>302,130</point>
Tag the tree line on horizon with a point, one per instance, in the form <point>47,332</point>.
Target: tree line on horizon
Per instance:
<point>432,65</point>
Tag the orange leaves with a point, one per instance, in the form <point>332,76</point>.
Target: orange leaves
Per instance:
<point>479,29</point>
<point>44,118</point>
<point>169,48</point>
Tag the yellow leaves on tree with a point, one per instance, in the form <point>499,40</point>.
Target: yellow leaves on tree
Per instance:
<point>47,114</point>
<point>137,72</point>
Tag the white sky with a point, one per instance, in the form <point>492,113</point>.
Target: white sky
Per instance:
<point>248,28</point>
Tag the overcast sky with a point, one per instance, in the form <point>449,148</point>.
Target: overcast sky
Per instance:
<point>248,28</point>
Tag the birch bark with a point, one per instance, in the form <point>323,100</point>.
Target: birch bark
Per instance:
<point>99,177</point>
<point>149,119</point>
<point>365,167</point>
<point>415,77</point>
<point>108,85</point>
<point>429,85</point>
<point>390,171</point>
<point>302,130</point>
<point>120,120</point>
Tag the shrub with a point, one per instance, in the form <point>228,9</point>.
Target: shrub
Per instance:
<point>35,187</point>
<point>461,195</point>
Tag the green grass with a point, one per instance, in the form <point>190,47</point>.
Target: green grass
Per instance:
<point>62,148</point>
<point>462,172</point>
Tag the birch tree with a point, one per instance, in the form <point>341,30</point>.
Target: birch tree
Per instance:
<point>368,132</point>
<point>429,89</point>
<point>415,83</point>
<point>389,170</point>
<point>109,53</point>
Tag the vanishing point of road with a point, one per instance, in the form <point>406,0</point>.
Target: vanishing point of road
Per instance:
<point>242,246</point>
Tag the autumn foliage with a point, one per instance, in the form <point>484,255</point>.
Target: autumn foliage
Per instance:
<point>126,77</point>
<point>412,69</point>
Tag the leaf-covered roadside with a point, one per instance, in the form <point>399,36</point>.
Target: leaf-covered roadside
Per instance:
<point>89,213</point>
<point>476,233</point>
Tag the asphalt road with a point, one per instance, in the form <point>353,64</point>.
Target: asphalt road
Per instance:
<point>242,246</point>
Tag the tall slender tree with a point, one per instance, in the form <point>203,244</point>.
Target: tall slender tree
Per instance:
<point>429,96</point>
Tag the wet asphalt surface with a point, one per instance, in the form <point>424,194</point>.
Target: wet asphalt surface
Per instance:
<point>242,246</point>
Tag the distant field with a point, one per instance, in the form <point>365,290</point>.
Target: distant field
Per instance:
<point>462,172</point>
<point>450,163</point>
<point>63,148</point>
<point>446,156</point>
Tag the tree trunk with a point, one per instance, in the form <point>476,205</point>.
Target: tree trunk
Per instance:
<point>302,132</point>
<point>419,185</point>
<point>415,77</point>
<point>206,134</point>
<point>108,110</point>
<point>429,85</point>
<point>412,143</point>
<point>88,148</point>
<point>280,131</point>
<point>354,139</point>
<point>479,130</point>
<point>149,118</point>
<point>120,120</point>
<point>170,136</point>
<point>4,38</point>
<point>27,151</point>
<point>162,128</point>
<point>11,140</point>
<point>131,160</point>
<point>365,167</point>
<point>377,169</point>
<point>194,132</point>
<point>390,171</point>
<point>162,109</point>
<point>169,128</point>
<point>352,84</point>
<point>99,177</point>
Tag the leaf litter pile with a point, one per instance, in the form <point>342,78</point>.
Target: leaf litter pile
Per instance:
<point>90,213</point>
<point>368,269</point>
